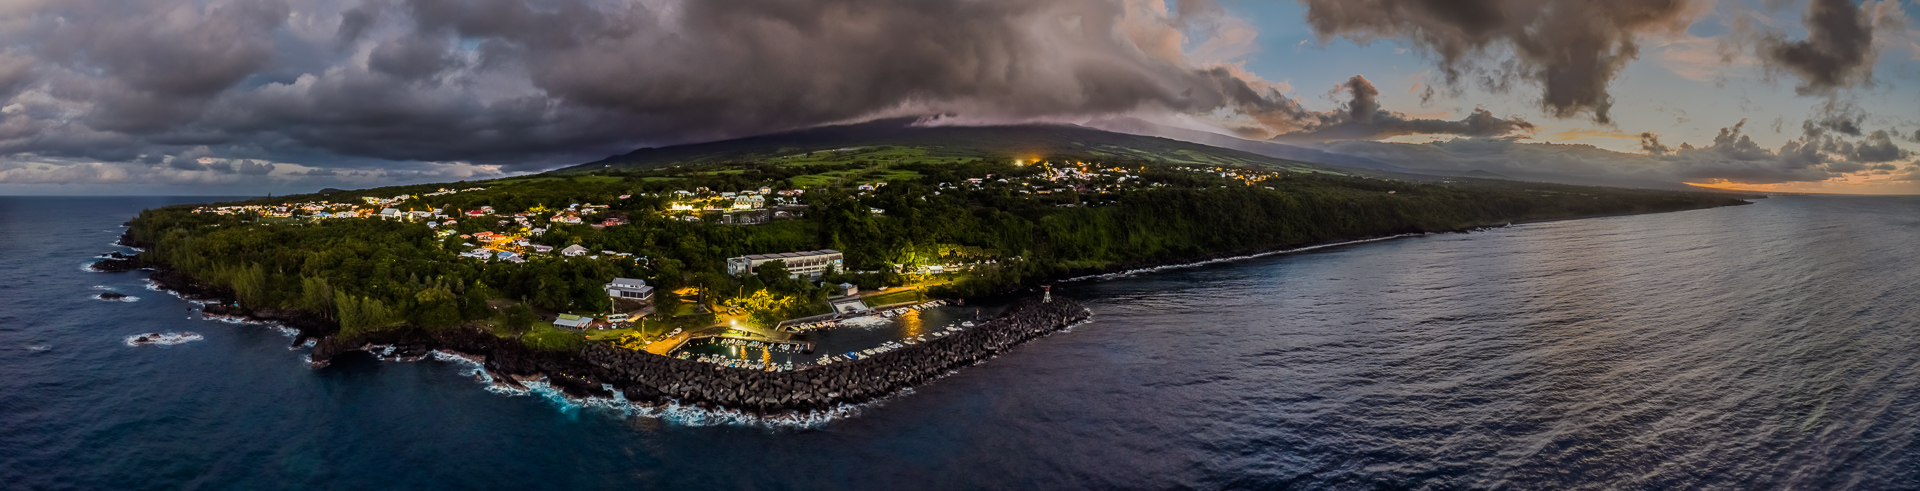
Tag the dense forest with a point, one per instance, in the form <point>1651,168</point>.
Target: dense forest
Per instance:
<point>370,273</point>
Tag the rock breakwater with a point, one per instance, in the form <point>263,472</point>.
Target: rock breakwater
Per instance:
<point>598,370</point>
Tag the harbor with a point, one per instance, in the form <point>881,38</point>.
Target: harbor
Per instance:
<point>828,339</point>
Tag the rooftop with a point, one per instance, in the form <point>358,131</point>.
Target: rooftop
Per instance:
<point>786,255</point>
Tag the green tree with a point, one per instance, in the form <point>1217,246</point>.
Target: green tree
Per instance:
<point>518,318</point>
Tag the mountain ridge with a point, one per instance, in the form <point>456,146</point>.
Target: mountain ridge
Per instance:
<point>956,142</point>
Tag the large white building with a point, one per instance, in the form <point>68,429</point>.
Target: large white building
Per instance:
<point>807,263</point>
<point>629,288</point>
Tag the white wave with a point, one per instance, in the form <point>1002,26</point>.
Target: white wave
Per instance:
<point>88,267</point>
<point>166,339</point>
<point>127,298</point>
<point>234,319</point>
<point>1131,272</point>
<point>155,286</point>
<point>103,287</point>
<point>39,347</point>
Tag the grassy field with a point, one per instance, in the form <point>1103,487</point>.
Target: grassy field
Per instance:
<point>546,337</point>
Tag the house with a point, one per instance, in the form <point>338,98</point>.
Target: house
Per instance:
<point>504,256</point>
<point>390,213</point>
<point>630,289</point>
<point>476,254</point>
<point>542,248</point>
<point>845,289</point>
<point>571,321</point>
<point>476,213</point>
<point>573,251</point>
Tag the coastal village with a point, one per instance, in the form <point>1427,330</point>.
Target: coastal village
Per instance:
<point>798,284</point>
<point>723,332</point>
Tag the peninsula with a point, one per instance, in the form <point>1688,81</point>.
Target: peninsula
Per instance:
<point>717,274</point>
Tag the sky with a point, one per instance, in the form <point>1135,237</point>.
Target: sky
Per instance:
<point>271,96</point>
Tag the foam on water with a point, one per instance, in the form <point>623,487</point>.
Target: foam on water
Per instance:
<point>155,286</point>
<point>163,339</point>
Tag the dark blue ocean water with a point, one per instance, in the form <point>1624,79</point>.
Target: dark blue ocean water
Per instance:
<point>1756,347</point>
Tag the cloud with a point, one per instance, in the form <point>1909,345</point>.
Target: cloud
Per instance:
<point>1877,147</point>
<point>530,85</point>
<point>1651,144</point>
<point>1362,118</point>
<point>1837,53</point>
<point>1818,154</point>
<point>255,168</point>
<point>1571,49</point>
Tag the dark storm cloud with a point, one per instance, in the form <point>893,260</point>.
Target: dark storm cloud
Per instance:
<point>254,168</point>
<point>1877,147</point>
<point>1571,49</point>
<point>1837,53</point>
<point>1362,118</point>
<point>533,84</point>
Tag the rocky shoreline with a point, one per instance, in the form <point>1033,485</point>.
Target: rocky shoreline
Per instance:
<point>645,379</point>
<point>598,370</point>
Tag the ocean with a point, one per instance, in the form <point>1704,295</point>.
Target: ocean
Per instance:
<point>1766,346</point>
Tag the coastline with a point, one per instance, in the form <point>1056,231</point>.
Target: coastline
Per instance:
<point>603,375</point>
<point>642,383</point>
<point>1139,267</point>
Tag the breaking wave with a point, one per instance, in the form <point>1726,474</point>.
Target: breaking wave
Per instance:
<point>163,339</point>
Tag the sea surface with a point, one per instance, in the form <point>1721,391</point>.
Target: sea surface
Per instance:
<point>1770,346</point>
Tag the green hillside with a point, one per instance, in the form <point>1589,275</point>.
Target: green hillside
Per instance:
<point>897,141</point>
